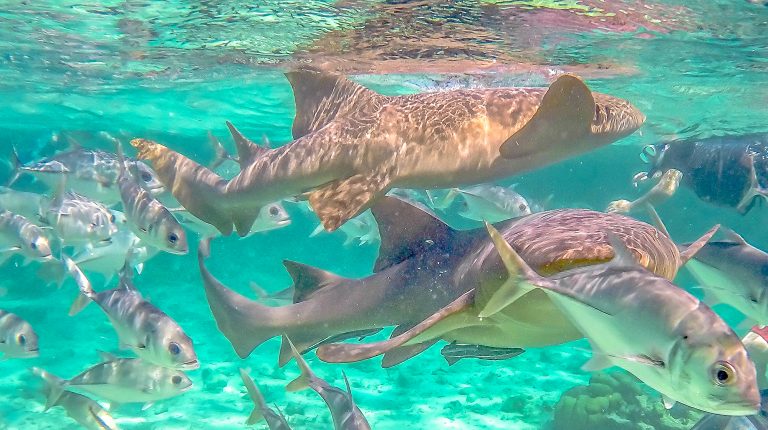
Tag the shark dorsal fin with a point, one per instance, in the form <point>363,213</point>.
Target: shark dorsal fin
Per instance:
<point>322,97</point>
<point>406,230</point>
<point>247,151</point>
<point>308,280</point>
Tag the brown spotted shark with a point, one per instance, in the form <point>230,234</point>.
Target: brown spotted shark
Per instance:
<point>425,266</point>
<point>352,145</point>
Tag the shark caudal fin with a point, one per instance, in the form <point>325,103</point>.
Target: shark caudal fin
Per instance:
<point>244,322</point>
<point>564,116</point>
<point>197,188</point>
<point>322,97</point>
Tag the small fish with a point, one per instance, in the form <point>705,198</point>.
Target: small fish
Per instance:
<point>18,235</point>
<point>453,352</point>
<point>17,338</point>
<point>125,249</point>
<point>22,203</point>
<point>85,411</point>
<point>121,380</point>
<point>361,229</point>
<point>91,173</point>
<point>271,217</point>
<point>734,272</point>
<point>345,413</point>
<point>275,420</point>
<point>152,222</point>
<point>78,220</point>
<point>492,203</point>
<point>140,326</point>
<point>643,323</point>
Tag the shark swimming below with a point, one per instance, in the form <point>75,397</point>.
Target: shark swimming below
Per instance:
<point>423,266</point>
<point>352,145</point>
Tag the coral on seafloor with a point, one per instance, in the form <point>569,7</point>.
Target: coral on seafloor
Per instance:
<point>618,401</point>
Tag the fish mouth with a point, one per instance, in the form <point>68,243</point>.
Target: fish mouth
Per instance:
<point>190,365</point>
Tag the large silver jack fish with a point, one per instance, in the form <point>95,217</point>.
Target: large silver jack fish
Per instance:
<point>352,145</point>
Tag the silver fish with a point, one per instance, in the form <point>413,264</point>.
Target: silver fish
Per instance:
<point>275,420</point>
<point>453,352</point>
<point>78,220</point>
<point>22,203</point>
<point>92,173</point>
<point>85,411</point>
<point>361,229</point>
<point>18,235</point>
<point>643,323</point>
<point>720,422</point>
<point>345,413</point>
<point>140,326</point>
<point>147,217</point>
<point>492,203</point>
<point>17,338</point>
<point>122,380</point>
<point>734,272</point>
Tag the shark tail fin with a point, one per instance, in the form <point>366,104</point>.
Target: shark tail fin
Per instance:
<point>54,386</point>
<point>258,400</point>
<point>86,294</point>
<point>245,323</point>
<point>197,188</point>
<point>322,97</point>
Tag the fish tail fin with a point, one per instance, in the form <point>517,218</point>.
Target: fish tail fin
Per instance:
<point>245,323</point>
<point>54,386</point>
<point>303,381</point>
<point>522,279</point>
<point>84,285</point>
<point>15,166</point>
<point>322,97</point>
<point>197,188</point>
<point>258,400</point>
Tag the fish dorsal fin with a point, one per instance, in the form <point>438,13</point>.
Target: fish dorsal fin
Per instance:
<point>405,230</point>
<point>322,97</point>
<point>107,356</point>
<point>622,256</point>
<point>247,151</point>
<point>308,280</point>
<point>732,236</point>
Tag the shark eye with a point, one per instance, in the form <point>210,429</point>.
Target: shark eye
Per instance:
<point>21,340</point>
<point>723,373</point>
<point>274,211</point>
<point>173,238</point>
<point>176,380</point>
<point>174,348</point>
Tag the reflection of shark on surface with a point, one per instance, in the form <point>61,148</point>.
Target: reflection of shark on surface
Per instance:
<point>352,145</point>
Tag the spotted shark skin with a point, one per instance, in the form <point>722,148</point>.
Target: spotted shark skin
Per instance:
<point>352,145</point>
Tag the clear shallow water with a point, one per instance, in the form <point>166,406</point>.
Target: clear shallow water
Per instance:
<point>172,71</point>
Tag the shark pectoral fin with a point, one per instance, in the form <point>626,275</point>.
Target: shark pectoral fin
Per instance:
<point>197,188</point>
<point>564,116</point>
<point>244,220</point>
<point>343,199</point>
<point>693,248</point>
<point>395,356</point>
<point>301,342</point>
<point>347,352</point>
<point>491,297</point>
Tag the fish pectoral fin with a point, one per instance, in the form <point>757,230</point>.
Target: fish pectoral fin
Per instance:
<point>395,356</point>
<point>564,116</point>
<point>10,249</point>
<point>643,359</point>
<point>147,406</point>
<point>597,362</point>
<point>668,403</point>
<point>343,199</point>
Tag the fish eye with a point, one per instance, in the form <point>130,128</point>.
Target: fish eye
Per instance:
<point>753,299</point>
<point>174,348</point>
<point>274,211</point>
<point>112,218</point>
<point>522,207</point>
<point>723,373</point>
<point>33,245</point>
<point>21,340</point>
<point>146,177</point>
<point>173,238</point>
<point>176,379</point>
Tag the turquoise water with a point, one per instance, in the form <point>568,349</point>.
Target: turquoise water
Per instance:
<point>172,71</point>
